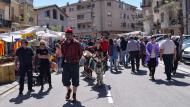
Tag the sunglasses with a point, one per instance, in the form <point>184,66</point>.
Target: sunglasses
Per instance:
<point>42,44</point>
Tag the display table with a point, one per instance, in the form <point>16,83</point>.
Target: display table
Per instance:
<point>7,72</point>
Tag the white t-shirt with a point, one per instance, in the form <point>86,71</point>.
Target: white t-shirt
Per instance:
<point>168,46</point>
<point>153,53</point>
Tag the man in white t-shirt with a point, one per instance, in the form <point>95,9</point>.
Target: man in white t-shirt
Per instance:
<point>168,55</point>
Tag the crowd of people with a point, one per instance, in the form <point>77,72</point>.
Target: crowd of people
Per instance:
<point>118,52</point>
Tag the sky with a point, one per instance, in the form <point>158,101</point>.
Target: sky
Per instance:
<point>38,3</point>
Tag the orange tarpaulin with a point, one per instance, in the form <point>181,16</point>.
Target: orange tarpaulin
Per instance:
<point>2,48</point>
<point>17,45</point>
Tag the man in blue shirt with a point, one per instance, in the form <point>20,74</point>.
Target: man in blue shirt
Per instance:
<point>24,58</point>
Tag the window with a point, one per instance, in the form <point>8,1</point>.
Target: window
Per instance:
<point>128,17</point>
<point>22,17</point>
<point>110,24</point>
<point>83,26</point>
<point>78,26</point>
<point>47,13</point>
<point>93,5</point>
<point>47,25</point>
<point>124,25</point>
<point>54,14</point>
<point>162,17</point>
<point>80,17</point>
<point>62,28</point>
<point>109,4</point>
<point>1,14</point>
<point>124,16</point>
<point>62,17</point>
<point>109,14</point>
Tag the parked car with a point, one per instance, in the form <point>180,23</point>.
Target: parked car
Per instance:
<point>159,37</point>
<point>186,55</point>
<point>185,44</point>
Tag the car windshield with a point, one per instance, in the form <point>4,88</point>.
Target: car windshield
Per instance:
<point>186,41</point>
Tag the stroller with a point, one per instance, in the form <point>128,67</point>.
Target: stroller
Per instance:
<point>36,73</point>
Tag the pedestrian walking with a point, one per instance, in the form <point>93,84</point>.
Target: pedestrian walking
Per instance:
<point>142,51</point>
<point>177,59</point>
<point>123,47</point>
<point>152,53</point>
<point>72,52</point>
<point>133,48</point>
<point>59,57</point>
<point>43,56</point>
<point>168,55</point>
<point>113,54</point>
<point>23,64</point>
<point>104,47</point>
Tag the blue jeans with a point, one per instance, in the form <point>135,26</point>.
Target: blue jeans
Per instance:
<point>168,62</point>
<point>59,63</point>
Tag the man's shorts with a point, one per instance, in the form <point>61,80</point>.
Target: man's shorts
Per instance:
<point>70,74</point>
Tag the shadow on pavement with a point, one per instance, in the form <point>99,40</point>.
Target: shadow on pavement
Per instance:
<point>41,94</point>
<point>181,75</point>
<point>141,73</point>
<point>173,82</point>
<point>115,72</point>
<point>89,81</point>
<point>20,98</point>
<point>73,104</point>
<point>101,91</point>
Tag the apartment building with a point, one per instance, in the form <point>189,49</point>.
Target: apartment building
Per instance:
<point>151,16</point>
<point>27,13</point>
<point>186,16</point>
<point>171,16</point>
<point>162,16</point>
<point>100,17</point>
<point>5,22</point>
<point>52,17</point>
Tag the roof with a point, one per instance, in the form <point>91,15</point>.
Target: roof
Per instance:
<point>73,4</point>
<point>49,6</point>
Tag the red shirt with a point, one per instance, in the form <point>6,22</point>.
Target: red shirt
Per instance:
<point>72,52</point>
<point>104,45</point>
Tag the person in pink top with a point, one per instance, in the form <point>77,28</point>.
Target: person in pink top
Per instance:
<point>59,57</point>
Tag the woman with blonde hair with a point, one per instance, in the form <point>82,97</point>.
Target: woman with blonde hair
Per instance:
<point>43,56</point>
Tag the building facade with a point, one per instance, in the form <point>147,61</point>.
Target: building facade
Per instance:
<point>171,16</point>
<point>52,17</point>
<point>139,20</point>
<point>5,20</point>
<point>22,14</point>
<point>163,16</point>
<point>27,14</point>
<point>186,14</point>
<point>100,17</point>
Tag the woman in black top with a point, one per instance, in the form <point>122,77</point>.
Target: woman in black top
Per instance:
<point>43,56</point>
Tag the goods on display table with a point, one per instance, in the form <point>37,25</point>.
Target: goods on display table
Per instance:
<point>7,73</point>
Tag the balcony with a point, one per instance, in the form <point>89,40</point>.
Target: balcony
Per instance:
<point>156,9</point>
<point>15,19</point>
<point>5,23</point>
<point>166,2</point>
<point>6,1</point>
<point>145,4</point>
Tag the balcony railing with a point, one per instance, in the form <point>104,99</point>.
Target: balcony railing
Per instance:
<point>5,23</point>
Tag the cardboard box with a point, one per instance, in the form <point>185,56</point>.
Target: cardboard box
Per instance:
<point>7,73</point>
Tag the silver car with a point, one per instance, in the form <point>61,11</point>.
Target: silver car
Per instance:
<point>186,55</point>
